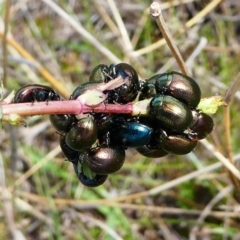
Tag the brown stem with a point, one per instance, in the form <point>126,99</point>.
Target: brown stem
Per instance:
<point>156,12</point>
<point>227,126</point>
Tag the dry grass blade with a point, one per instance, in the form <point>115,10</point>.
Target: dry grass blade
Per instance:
<point>107,18</point>
<point>221,158</point>
<point>126,43</point>
<point>189,62</point>
<point>203,13</point>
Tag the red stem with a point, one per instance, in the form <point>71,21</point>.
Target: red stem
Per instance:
<point>61,107</point>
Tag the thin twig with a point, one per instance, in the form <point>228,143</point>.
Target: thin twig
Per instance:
<point>156,12</point>
<point>221,158</point>
<point>227,126</point>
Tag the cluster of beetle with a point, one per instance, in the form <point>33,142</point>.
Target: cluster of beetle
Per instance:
<point>95,143</point>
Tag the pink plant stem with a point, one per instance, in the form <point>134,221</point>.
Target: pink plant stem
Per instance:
<point>61,107</point>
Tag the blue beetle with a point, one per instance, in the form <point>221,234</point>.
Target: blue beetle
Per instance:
<point>130,134</point>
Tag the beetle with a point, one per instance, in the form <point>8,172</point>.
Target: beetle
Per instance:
<point>176,143</point>
<point>202,124</point>
<point>129,90</point>
<point>99,73</point>
<point>179,86</point>
<point>35,92</point>
<point>170,112</point>
<point>103,120</point>
<point>62,122</point>
<point>152,152</point>
<point>147,91</point>
<point>130,134</point>
<point>153,149</point>
<point>82,135</point>
<point>70,154</point>
<point>96,181</point>
<point>105,159</point>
